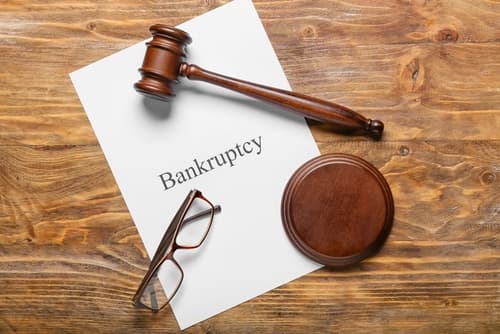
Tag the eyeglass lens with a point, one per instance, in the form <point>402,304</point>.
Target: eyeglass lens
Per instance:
<point>163,286</point>
<point>193,231</point>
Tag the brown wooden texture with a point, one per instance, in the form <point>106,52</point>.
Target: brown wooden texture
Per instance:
<point>337,209</point>
<point>71,258</point>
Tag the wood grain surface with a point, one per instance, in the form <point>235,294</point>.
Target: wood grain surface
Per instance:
<point>71,258</point>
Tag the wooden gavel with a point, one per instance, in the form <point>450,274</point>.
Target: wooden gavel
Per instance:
<point>164,62</point>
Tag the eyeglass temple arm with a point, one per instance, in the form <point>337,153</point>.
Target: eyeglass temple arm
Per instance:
<point>206,212</point>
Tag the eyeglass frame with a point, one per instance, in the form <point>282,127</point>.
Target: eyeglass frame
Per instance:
<point>169,241</point>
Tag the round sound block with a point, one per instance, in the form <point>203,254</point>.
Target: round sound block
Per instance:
<point>337,209</point>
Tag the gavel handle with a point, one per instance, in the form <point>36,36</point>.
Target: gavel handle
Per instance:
<point>313,108</point>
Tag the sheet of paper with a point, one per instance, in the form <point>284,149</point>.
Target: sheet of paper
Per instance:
<point>247,251</point>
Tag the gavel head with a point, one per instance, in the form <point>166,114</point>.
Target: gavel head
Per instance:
<point>164,55</point>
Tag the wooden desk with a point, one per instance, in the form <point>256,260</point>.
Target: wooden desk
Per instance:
<point>71,258</point>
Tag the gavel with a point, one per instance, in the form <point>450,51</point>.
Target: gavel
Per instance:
<point>164,63</point>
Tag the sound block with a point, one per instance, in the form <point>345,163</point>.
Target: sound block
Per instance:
<point>337,209</point>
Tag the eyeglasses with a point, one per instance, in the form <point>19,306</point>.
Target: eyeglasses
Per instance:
<point>187,230</point>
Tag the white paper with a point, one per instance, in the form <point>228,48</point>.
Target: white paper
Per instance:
<point>247,251</point>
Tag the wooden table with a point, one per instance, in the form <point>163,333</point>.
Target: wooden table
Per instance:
<point>70,255</point>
